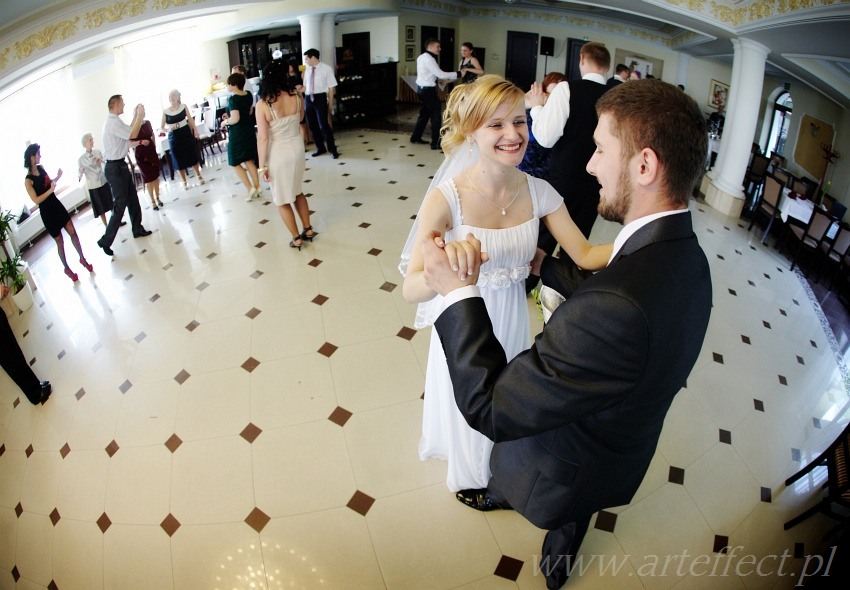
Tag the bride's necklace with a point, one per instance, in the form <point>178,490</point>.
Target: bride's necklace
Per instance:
<point>504,209</point>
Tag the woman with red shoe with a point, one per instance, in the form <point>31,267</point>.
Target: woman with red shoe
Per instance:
<point>41,189</point>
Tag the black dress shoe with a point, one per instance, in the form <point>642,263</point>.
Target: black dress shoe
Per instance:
<point>335,155</point>
<point>143,233</point>
<point>46,390</point>
<point>419,141</point>
<point>319,153</point>
<point>480,500</point>
<point>106,249</point>
<point>123,223</point>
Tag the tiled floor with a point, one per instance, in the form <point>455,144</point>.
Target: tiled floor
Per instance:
<point>231,413</point>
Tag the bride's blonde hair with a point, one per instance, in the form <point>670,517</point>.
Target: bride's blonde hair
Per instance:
<point>471,105</point>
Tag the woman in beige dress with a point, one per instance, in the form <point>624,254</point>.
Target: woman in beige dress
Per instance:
<point>281,149</point>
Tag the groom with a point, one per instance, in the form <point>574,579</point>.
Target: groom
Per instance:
<point>576,418</point>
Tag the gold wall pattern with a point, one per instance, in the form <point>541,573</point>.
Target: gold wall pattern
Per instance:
<point>163,4</point>
<point>114,13</point>
<point>45,37</point>
<point>758,10</point>
<point>3,55</point>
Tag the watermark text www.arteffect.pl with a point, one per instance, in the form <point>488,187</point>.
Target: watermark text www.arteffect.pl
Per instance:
<point>733,563</point>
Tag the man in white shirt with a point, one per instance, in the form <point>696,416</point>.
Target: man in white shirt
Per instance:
<point>565,123</point>
<point>427,74</point>
<point>319,84</point>
<point>116,144</point>
<point>621,74</point>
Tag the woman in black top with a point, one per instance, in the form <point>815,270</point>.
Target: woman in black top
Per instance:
<point>469,64</point>
<point>41,189</point>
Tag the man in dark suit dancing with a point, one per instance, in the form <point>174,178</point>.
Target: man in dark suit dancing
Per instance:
<point>576,418</point>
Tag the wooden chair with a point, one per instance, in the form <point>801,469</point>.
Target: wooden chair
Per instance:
<point>811,236</point>
<point>836,251</point>
<point>769,203</point>
<point>803,186</point>
<point>782,175</point>
<point>836,459</point>
<point>754,177</point>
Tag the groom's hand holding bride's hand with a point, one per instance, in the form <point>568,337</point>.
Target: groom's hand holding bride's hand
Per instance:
<point>450,266</point>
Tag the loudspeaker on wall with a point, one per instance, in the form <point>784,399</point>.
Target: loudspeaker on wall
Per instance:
<point>547,46</point>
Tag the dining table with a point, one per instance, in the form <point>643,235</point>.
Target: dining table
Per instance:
<point>794,206</point>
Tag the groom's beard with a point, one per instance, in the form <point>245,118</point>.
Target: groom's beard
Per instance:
<point>616,209</point>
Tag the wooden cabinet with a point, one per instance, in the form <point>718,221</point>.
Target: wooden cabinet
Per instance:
<point>251,52</point>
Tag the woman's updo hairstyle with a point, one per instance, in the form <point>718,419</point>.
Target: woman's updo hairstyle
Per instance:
<point>470,105</point>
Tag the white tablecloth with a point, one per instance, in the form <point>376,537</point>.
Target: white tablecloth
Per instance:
<point>801,210</point>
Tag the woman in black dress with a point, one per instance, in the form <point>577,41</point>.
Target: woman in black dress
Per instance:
<point>182,136</point>
<point>148,162</point>
<point>40,187</point>
<point>469,64</point>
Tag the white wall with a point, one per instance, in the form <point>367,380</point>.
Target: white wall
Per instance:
<point>383,36</point>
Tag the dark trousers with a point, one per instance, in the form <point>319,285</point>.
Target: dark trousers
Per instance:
<point>429,111</point>
<point>317,119</point>
<point>13,362</point>
<point>124,197</point>
<point>560,546</point>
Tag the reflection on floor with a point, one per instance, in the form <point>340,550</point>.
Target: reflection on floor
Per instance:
<point>229,412</point>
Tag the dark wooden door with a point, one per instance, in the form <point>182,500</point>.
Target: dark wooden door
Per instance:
<point>521,66</point>
<point>448,59</point>
<point>573,57</point>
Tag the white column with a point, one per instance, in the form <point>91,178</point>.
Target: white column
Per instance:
<point>724,191</point>
<point>682,67</point>
<point>328,48</point>
<point>311,33</point>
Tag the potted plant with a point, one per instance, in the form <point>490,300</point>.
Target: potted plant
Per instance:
<point>12,274</point>
<point>7,218</point>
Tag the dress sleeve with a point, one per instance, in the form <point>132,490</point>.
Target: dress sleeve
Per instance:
<point>548,199</point>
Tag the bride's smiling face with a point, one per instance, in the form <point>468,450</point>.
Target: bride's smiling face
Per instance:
<point>504,136</point>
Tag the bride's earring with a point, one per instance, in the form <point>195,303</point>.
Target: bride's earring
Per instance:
<point>470,141</point>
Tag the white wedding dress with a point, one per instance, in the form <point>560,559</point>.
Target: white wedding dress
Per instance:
<point>445,433</point>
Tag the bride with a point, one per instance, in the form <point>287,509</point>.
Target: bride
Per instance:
<point>479,190</point>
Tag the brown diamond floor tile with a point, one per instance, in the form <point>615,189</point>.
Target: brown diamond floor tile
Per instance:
<point>256,274</point>
<point>605,521</point>
<point>202,286</point>
<point>29,450</point>
<point>263,221</point>
<point>250,364</point>
<point>52,586</point>
<point>80,393</point>
<point>182,376</point>
<point>3,449</point>
<point>259,244</point>
<point>257,520</point>
<point>676,475</point>
<point>103,522</point>
<point>154,297</point>
<point>112,448</point>
<point>250,432</point>
<point>19,509</point>
<point>314,263</point>
<point>721,544</point>
<point>170,525</point>
<point>15,574</point>
<point>406,333</point>
<point>16,402</point>
<point>54,516</point>
<point>327,349</point>
<point>125,387</point>
<point>252,313</point>
<point>508,568</point>
<point>173,443</point>
<point>374,252</point>
<point>388,287</point>
<point>360,503</point>
<point>319,299</point>
<point>340,416</point>
<point>192,325</point>
<point>364,225</point>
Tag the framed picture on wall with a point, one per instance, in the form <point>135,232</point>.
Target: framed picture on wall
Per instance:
<point>718,93</point>
<point>409,34</point>
<point>410,52</point>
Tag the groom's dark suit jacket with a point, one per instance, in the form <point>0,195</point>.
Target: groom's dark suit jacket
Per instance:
<point>576,418</point>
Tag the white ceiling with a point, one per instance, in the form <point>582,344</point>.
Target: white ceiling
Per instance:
<point>809,46</point>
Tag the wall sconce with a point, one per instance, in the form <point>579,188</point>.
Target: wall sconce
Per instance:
<point>814,129</point>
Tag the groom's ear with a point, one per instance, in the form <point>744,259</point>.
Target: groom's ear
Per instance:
<point>648,167</point>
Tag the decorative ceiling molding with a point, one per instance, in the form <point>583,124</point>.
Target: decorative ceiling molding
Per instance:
<point>744,13</point>
<point>555,18</point>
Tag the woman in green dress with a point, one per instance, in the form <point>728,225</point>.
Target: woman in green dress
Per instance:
<point>241,139</point>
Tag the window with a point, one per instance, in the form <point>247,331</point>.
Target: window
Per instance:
<point>779,127</point>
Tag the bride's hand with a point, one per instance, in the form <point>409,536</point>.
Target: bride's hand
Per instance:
<point>465,257</point>
<point>537,262</point>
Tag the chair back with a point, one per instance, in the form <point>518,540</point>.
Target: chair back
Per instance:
<point>841,244</point>
<point>818,226</point>
<point>759,166</point>
<point>837,209</point>
<point>782,175</point>
<point>802,186</point>
<point>772,191</point>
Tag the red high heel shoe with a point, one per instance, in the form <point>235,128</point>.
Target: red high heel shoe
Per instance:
<point>86,265</point>
<point>71,275</point>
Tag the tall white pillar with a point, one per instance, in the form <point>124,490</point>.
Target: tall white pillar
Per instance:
<point>682,67</point>
<point>724,191</point>
<point>328,48</point>
<point>311,33</point>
